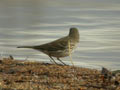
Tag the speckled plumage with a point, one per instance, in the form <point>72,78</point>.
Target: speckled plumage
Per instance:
<point>59,48</point>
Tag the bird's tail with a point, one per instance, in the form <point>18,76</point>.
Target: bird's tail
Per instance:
<point>25,47</point>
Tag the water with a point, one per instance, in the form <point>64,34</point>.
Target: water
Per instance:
<point>28,22</point>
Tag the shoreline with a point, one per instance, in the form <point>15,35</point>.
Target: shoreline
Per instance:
<point>24,75</point>
<point>81,64</point>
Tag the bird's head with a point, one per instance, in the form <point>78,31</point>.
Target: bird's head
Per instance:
<point>74,34</point>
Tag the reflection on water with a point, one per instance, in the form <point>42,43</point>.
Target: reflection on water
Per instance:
<point>37,22</point>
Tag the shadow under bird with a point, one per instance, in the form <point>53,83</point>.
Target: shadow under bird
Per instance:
<point>59,48</point>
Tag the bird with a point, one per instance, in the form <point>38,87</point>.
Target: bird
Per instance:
<point>59,48</point>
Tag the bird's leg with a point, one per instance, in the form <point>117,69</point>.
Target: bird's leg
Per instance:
<point>61,61</point>
<point>52,60</point>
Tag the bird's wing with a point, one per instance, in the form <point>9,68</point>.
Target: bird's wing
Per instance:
<point>56,45</point>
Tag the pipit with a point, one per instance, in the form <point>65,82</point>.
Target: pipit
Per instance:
<point>59,48</point>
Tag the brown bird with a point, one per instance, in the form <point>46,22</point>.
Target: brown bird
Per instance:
<point>59,48</point>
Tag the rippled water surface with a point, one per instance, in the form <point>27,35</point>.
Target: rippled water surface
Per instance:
<point>35,22</point>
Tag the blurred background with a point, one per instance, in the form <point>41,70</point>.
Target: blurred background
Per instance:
<point>35,22</point>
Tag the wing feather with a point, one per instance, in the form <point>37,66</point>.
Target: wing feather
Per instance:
<point>59,44</point>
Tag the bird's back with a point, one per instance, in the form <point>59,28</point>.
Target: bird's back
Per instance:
<point>59,44</point>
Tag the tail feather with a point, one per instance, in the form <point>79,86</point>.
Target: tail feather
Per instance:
<point>25,47</point>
